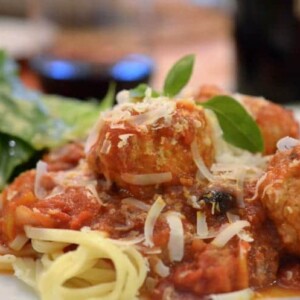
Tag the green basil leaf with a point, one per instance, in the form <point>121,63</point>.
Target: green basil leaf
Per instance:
<point>13,152</point>
<point>239,128</point>
<point>179,75</point>
<point>140,91</point>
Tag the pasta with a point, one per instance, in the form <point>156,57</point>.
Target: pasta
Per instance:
<point>98,268</point>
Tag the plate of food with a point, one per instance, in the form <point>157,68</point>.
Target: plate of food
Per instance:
<point>162,196</point>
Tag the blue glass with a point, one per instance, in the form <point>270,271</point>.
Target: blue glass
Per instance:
<point>132,68</point>
<point>60,69</point>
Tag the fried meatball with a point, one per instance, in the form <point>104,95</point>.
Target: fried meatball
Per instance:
<point>151,137</point>
<point>280,194</point>
<point>274,121</point>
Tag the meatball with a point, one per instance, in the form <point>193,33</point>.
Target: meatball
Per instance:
<point>141,144</point>
<point>274,121</point>
<point>280,194</point>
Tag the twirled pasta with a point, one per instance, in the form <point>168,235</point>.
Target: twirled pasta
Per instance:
<point>98,268</point>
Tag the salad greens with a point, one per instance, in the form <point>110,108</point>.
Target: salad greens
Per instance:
<point>13,152</point>
<point>32,121</point>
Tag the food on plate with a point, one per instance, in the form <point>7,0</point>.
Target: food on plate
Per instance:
<point>169,197</point>
<point>279,193</point>
<point>148,143</point>
<point>274,121</point>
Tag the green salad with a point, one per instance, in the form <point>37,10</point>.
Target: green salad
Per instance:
<point>31,122</point>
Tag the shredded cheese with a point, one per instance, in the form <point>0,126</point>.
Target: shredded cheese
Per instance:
<point>142,114</point>
<point>136,203</point>
<point>146,179</point>
<point>287,143</point>
<point>229,232</point>
<point>91,187</point>
<point>161,269</point>
<point>151,219</point>
<point>199,162</point>
<point>243,235</point>
<point>41,170</point>
<point>202,228</point>
<point>123,97</point>
<point>193,201</point>
<point>176,239</point>
<point>124,139</point>
<point>106,146</point>
<point>257,186</point>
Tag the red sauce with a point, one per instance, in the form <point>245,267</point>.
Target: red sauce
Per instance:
<point>204,268</point>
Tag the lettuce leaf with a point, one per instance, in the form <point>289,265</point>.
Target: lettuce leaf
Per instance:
<point>37,121</point>
<point>13,153</point>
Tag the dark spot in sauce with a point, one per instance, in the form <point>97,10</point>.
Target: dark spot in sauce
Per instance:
<point>220,201</point>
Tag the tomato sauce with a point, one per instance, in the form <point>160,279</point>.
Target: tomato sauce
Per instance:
<point>204,268</point>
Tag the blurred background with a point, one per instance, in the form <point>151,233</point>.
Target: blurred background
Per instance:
<point>76,48</point>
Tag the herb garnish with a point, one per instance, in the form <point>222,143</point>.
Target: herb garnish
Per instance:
<point>239,128</point>
<point>179,75</point>
<point>140,91</point>
<point>176,79</point>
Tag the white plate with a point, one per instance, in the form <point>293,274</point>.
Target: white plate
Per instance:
<point>11,288</point>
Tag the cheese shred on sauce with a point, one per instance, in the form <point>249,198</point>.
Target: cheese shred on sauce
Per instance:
<point>176,239</point>
<point>229,232</point>
<point>146,179</point>
<point>151,219</point>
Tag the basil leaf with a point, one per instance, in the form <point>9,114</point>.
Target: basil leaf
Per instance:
<point>239,128</point>
<point>13,152</point>
<point>179,75</point>
<point>140,91</point>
